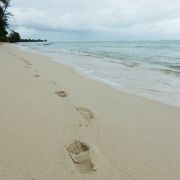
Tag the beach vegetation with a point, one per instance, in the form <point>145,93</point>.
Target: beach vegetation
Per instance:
<point>14,37</point>
<point>6,33</point>
<point>4,19</point>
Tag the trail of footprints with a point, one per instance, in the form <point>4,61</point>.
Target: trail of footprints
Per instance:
<point>28,65</point>
<point>79,152</point>
<point>26,61</point>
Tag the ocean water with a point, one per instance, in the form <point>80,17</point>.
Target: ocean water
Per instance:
<point>146,68</point>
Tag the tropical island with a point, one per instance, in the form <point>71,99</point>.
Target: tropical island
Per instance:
<point>6,33</point>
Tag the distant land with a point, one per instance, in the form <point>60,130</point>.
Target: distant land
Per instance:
<point>32,40</point>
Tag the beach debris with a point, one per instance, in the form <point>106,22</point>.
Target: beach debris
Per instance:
<point>61,93</point>
<point>79,154</point>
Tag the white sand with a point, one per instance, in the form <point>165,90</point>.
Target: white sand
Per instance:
<point>125,136</point>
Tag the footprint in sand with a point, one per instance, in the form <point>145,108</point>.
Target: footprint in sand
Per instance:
<point>35,70</point>
<point>26,61</point>
<point>36,75</point>
<point>85,112</point>
<point>61,93</point>
<point>53,83</point>
<point>79,153</point>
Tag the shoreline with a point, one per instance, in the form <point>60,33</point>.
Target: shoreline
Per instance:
<point>147,93</point>
<point>128,136</point>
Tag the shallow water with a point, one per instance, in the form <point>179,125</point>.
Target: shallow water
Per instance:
<point>146,68</point>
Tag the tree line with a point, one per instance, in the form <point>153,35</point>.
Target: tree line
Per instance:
<point>6,33</point>
<point>5,15</point>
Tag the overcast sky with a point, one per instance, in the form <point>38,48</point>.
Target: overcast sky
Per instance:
<point>97,19</point>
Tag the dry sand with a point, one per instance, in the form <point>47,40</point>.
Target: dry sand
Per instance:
<point>86,131</point>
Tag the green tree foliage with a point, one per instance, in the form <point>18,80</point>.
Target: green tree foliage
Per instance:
<point>14,37</point>
<point>3,36</point>
<point>4,16</point>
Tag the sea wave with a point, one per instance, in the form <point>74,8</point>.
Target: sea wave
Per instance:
<point>131,64</point>
<point>150,68</point>
<point>168,71</point>
<point>176,67</point>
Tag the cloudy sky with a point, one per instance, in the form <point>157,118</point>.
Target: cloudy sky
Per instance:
<point>97,19</point>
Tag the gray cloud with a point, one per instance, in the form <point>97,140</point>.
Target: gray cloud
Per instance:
<point>111,19</point>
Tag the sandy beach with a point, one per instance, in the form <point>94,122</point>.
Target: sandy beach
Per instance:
<point>57,125</point>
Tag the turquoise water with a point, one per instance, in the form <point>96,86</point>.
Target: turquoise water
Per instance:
<point>146,68</point>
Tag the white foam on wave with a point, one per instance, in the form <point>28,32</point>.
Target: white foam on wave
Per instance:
<point>136,77</point>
